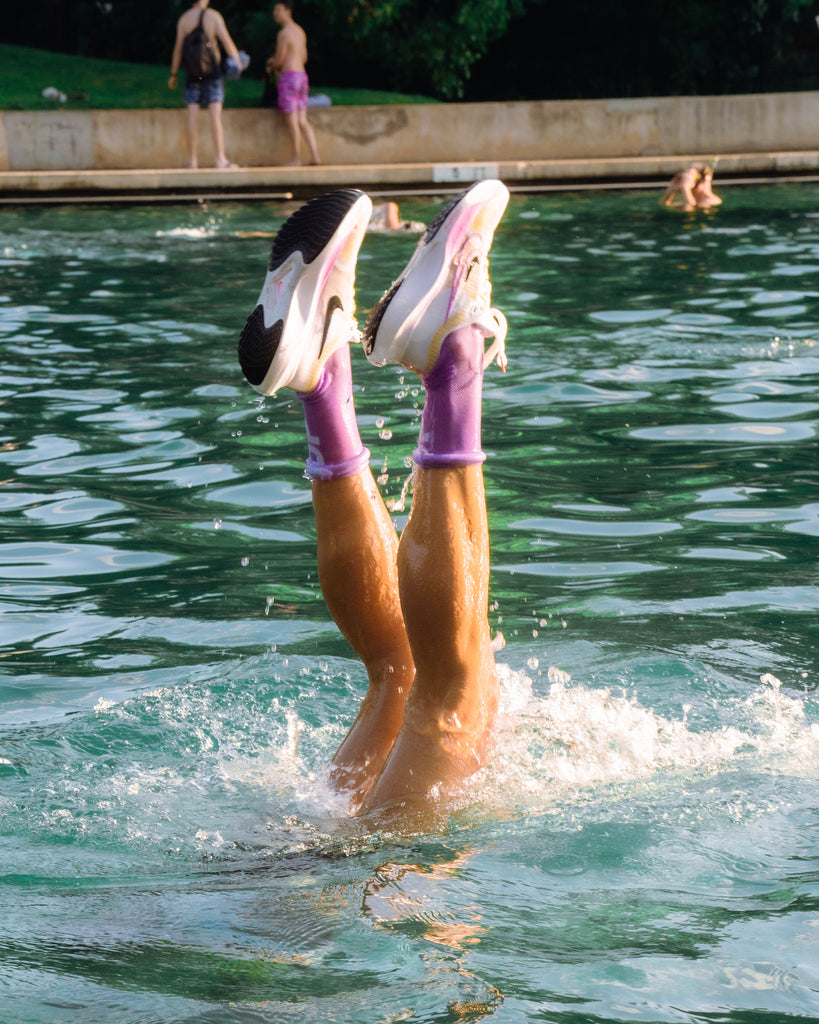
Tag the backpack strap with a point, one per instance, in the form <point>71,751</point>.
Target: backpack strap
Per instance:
<point>212,46</point>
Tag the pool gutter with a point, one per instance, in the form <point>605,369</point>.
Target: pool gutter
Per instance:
<point>281,183</point>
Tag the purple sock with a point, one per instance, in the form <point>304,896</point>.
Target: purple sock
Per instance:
<point>451,420</point>
<point>333,441</point>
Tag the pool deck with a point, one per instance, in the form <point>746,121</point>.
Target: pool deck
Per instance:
<point>61,155</point>
<point>275,183</point>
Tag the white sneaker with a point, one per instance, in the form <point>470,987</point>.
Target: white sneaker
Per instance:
<point>445,286</point>
<point>307,305</point>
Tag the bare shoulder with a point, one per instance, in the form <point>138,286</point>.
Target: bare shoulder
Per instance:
<point>187,20</point>
<point>213,16</point>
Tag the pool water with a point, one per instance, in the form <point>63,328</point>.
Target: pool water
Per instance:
<point>643,846</point>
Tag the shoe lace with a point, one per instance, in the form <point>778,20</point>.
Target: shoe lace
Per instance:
<point>475,271</point>
<point>497,350</point>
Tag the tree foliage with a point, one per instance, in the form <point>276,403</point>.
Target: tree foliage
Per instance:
<point>413,45</point>
<point>481,49</point>
<point>652,48</point>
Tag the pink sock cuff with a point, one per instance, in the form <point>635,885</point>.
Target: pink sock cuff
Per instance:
<point>316,470</point>
<point>428,460</point>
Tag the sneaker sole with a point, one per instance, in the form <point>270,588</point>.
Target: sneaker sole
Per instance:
<point>273,342</point>
<point>387,333</point>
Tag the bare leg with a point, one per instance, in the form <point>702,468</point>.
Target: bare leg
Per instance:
<point>435,320</point>
<point>218,135</point>
<point>357,546</point>
<point>191,132</point>
<point>294,131</point>
<point>443,570</point>
<point>298,337</point>
<point>444,574</point>
<point>309,135</point>
<point>440,623</point>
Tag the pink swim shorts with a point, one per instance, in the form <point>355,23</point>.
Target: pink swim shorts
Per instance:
<point>292,91</point>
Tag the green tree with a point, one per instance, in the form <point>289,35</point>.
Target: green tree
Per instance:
<point>404,45</point>
<point>590,49</point>
<point>480,49</point>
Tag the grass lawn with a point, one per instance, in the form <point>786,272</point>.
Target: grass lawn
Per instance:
<point>93,84</point>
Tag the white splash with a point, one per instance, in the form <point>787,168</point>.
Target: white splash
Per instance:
<point>207,231</point>
<point>241,770</point>
<point>579,737</point>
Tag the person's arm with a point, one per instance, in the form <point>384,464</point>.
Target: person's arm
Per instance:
<point>674,189</point>
<point>668,195</point>
<point>282,51</point>
<point>689,179</point>
<point>176,57</point>
<point>223,36</point>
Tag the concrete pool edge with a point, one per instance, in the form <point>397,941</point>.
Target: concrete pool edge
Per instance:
<point>551,143</point>
<point>302,182</point>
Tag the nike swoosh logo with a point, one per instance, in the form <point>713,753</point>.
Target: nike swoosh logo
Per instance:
<point>332,306</point>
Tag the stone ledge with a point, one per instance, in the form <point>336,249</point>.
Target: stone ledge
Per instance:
<point>431,134</point>
<point>289,182</point>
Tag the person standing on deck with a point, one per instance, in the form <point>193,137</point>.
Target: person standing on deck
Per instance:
<point>289,61</point>
<point>208,92</point>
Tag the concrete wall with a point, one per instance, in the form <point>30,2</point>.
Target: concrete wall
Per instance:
<point>549,130</point>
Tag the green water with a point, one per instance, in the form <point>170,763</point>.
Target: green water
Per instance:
<point>644,845</point>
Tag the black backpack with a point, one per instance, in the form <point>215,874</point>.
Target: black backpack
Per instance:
<point>200,59</point>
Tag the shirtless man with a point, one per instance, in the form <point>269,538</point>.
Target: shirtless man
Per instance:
<point>415,611</point>
<point>210,92</point>
<point>693,185</point>
<point>289,60</point>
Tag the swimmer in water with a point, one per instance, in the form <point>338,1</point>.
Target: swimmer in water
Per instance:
<point>693,186</point>
<point>386,217</point>
<point>415,611</point>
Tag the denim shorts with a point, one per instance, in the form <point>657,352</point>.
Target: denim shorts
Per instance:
<point>211,90</point>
